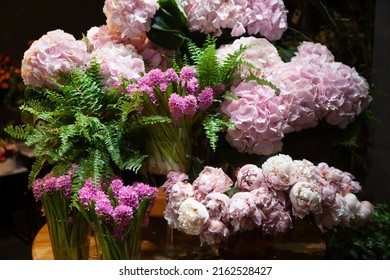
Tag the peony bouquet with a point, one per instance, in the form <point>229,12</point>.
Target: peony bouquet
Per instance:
<point>268,198</point>
<point>117,213</point>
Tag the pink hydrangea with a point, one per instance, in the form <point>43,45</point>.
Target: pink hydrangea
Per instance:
<point>55,52</point>
<point>261,53</point>
<point>249,177</point>
<point>211,17</point>
<point>267,17</point>
<point>118,61</point>
<point>99,36</point>
<point>345,92</point>
<point>258,118</point>
<point>299,92</point>
<point>314,54</point>
<point>279,172</point>
<point>243,213</point>
<point>130,18</point>
<point>211,179</point>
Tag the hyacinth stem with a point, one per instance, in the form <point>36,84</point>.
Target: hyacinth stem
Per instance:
<point>69,234</point>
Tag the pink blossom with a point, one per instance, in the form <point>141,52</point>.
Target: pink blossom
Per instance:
<point>206,98</point>
<point>267,17</point>
<point>118,61</point>
<point>258,118</point>
<point>211,179</point>
<point>243,213</point>
<point>249,177</point>
<point>99,36</point>
<point>337,214</point>
<point>345,93</point>
<point>217,205</point>
<point>130,17</point>
<point>278,221</point>
<point>190,105</point>
<point>299,93</point>
<point>314,54</point>
<point>176,105</point>
<point>172,178</point>
<point>306,171</point>
<point>211,17</point>
<point>214,233</point>
<point>343,182</point>
<point>55,52</point>
<point>260,53</point>
<point>305,197</point>
<point>192,216</point>
<point>279,172</point>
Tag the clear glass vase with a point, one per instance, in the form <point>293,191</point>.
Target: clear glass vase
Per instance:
<point>69,238</point>
<point>110,248</point>
<point>168,149</point>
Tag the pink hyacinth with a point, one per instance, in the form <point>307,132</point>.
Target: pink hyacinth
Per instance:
<point>206,98</point>
<point>130,18</point>
<point>118,61</point>
<point>258,118</point>
<point>55,52</point>
<point>267,17</point>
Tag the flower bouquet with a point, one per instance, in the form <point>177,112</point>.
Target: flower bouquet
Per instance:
<point>69,231</point>
<point>268,199</point>
<point>117,214</point>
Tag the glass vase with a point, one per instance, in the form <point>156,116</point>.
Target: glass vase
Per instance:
<point>127,248</point>
<point>69,238</point>
<point>168,148</point>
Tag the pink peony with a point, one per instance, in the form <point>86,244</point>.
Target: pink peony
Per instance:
<point>211,179</point>
<point>267,17</point>
<point>258,119</point>
<point>130,18</point>
<point>214,233</point>
<point>337,214</point>
<point>118,61</point>
<point>218,205</point>
<point>243,213</point>
<point>261,54</point>
<point>279,172</point>
<point>172,178</point>
<point>249,177</point>
<point>55,52</point>
<point>305,197</point>
<point>278,221</point>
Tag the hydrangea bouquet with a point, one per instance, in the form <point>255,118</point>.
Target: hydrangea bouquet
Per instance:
<point>267,198</point>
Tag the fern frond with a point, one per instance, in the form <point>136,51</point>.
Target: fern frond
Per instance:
<point>213,125</point>
<point>36,169</point>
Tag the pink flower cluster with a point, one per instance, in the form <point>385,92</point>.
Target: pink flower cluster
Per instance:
<point>182,91</point>
<point>55,52</point>
<point>131,18</point>
<point>267,198</point>
<point>116,205</point>
<point>49,184</point>
<point>311,87</point>
<point>267,18</point>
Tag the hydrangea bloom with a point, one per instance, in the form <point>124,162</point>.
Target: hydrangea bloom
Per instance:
<point>55,52</point>
<point>130,17</point>
<point>258,118</point>
<point>267,17</point>
<point>118,61</point>
<point>314,54</point>
<point>261,53</point>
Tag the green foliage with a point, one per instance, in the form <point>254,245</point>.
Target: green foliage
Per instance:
<point>214,124</point>
<point>84,124</point>
<point>368,242</point>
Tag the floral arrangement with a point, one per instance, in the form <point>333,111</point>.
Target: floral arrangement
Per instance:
<point>116,212</point>
<point>7,150</point>
<point>69,231</point>
<point>268,198</point>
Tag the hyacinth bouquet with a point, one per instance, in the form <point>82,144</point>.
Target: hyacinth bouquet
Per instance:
<point>69,230</point>
<point>117,214</point>
<point>267,198</point>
